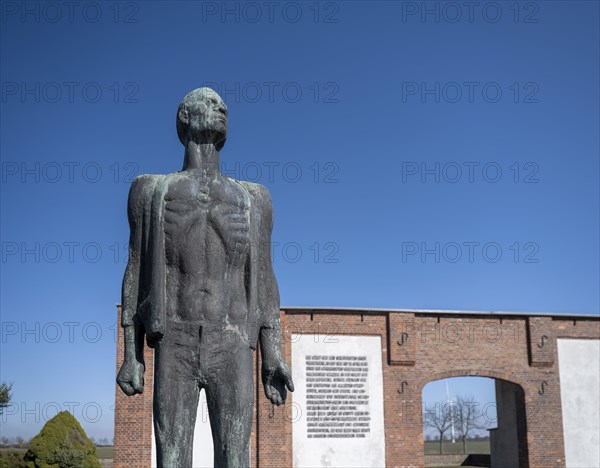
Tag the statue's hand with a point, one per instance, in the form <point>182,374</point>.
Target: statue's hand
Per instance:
<point>275,379</point>
<point>131,377</point>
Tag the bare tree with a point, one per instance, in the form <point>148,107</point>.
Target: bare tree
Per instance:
<point>439,420</point>
<point>467,418</point>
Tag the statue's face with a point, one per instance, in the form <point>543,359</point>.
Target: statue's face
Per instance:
<point>207,116</point>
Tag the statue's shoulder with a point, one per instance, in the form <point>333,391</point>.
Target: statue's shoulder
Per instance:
<point>144,185</point>
<point>141,191</point>
<point>143,182</point>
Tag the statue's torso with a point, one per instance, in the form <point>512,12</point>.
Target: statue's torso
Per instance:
<point>207,240</point>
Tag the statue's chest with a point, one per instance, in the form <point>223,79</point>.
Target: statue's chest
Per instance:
<point>195,203</point>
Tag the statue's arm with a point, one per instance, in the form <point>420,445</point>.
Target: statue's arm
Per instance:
<point>268,291</point>
<point>130,321</point>
<point>276,374</point>
<point>130,376</point>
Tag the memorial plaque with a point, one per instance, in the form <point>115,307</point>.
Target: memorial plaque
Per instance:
<point>338,403</point>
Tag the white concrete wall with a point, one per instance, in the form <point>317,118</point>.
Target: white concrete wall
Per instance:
<point>352,449</point>
<point>579,366</point>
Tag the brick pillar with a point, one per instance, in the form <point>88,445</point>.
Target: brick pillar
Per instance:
<point>133,415</point>
<point>402,393</point>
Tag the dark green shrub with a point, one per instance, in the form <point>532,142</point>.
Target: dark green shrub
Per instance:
<point>62,443</point>
<point>12,459</point>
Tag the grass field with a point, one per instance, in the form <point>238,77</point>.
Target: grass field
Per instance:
<point>105,452</point>
<point>473,446</point>
<point>11,449</point>
<point>101,452</point>
<point>431,448</point>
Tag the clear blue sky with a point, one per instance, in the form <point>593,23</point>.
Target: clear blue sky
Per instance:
<point>382,131</point>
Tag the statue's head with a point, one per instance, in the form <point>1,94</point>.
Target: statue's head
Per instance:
<point>202,117</point>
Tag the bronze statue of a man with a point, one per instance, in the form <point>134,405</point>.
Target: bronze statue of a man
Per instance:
<point>199,285</point>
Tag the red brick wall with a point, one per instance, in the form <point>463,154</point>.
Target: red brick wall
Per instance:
<point>133,415</point>
<point>417,348</point>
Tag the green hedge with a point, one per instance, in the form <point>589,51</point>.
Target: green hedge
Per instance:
<point>62,443</point>
<point>12,459</point>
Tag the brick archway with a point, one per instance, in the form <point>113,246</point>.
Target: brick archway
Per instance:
<point>485,373</point>
<point>511,419</point>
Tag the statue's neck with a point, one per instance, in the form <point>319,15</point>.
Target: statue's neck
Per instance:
<point>202,156</point>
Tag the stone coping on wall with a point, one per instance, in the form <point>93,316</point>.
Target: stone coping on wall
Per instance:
<point>376,310</point>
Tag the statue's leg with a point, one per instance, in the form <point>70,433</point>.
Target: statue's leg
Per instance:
<point>176,393</point>
<point>230,399</point>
